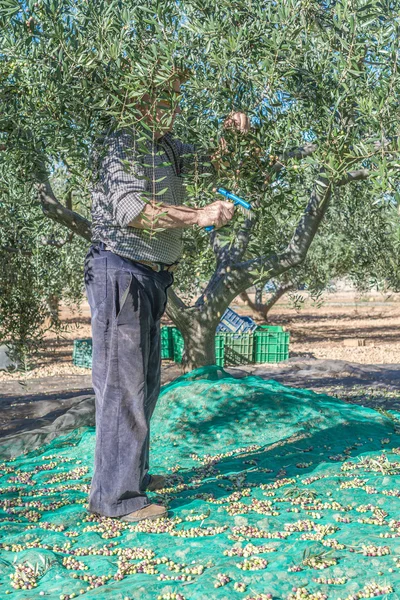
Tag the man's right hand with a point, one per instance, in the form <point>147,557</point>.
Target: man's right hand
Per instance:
<point>218,213</point>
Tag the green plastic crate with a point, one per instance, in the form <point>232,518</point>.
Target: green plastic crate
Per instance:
<point>178,344</point>
<point>271,344</point>
<point>230,348</point>
<point>233,349</point>
<point>82,353</point>
<point>268,344</point>
<point>167,343</point>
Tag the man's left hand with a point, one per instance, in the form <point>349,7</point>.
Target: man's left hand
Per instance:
<point>237,120</point>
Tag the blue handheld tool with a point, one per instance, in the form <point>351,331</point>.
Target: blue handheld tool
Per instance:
<point>237,201</point>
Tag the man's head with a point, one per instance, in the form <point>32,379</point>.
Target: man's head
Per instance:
<point>160,105</point>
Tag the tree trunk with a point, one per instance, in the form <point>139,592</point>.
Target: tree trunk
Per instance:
<point>262,310</point>
<point>53,306</point>
<point>257,308</point>
<point>258,295</point>
<point>281,291</point>
<point>199,340</point>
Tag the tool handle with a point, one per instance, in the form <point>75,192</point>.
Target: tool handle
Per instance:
<point>234,198</point>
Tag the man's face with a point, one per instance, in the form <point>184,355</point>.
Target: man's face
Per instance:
<point>162,112</point>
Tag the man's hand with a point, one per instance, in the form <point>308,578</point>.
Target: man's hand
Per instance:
<point>218,213</point>
<point>237,120</point>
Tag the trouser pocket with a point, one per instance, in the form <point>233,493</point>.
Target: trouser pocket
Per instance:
<point>165,287</point>
<point>95,277</point>
<point>123,290</point>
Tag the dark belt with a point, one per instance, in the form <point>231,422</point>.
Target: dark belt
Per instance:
<point>147,263</point>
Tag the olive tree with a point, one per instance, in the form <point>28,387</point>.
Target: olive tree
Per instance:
<point>41,264</point>
<point>318,79</point>
<point>357,241</point>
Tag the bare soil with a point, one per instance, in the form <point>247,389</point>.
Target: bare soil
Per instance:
<point>344,318</point>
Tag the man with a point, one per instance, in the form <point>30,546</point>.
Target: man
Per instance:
<point>138,218</point>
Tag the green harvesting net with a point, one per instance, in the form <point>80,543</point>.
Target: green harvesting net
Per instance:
<point>273,492</point>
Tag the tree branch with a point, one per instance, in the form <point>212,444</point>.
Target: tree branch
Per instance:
<point>281,291</point>
<point>231,254</point>
<point>299,153</point>
<point>53,209</point>
<point>16,250</point>
<point>68,200</point>
<point>306,229</point>
<point>58,243</point>
<point>242,241</point>
<point>263,309</point>
<point>353,176</point>
<point>176,308</point>
<point>243,237</point>
<point>238,250</point>
<point>227,282</point>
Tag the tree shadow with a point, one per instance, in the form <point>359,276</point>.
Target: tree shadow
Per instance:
<point>295,427</point>
<point>281,458</point>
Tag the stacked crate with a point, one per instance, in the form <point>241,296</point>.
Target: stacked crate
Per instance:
<point>238,341</point>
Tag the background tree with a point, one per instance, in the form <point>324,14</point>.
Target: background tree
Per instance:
<point>41,265</point>
<point>318,79</point>
<point>357,241</point>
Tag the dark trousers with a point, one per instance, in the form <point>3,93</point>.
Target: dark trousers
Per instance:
<point>126,302</point>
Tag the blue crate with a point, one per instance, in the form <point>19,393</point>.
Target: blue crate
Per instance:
<point>231,322</point>
<point>249,325</point>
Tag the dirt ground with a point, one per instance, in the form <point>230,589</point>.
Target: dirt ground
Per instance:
<point>323,332</point>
